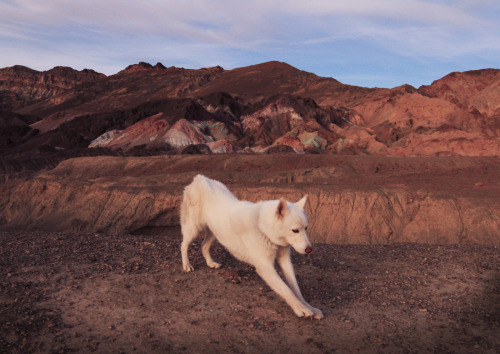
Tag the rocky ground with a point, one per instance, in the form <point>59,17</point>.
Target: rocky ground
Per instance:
<point>83,292</point>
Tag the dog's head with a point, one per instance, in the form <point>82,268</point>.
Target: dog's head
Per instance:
<point>287,226</point>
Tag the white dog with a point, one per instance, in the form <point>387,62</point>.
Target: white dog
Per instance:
<point>256,233</point>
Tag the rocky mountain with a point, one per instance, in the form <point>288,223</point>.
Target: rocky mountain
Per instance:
<point>475,90</point>
<point>21,86</point>
<point>267,107</point>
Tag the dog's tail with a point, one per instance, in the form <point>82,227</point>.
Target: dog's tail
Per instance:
<point>192,218</point>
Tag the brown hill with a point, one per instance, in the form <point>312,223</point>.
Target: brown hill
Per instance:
<point>21,86</point>
<point>476,90</point>
<point>255,108</point>
<point>260,81</point>
<point>136,85</point>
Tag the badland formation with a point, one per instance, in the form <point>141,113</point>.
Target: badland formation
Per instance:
<point>83,151</point>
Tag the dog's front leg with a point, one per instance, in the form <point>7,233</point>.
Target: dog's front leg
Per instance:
<point>285,262</point>
<point>272,278</point>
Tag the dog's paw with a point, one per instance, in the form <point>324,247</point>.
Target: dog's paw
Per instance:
<point>317,313</point>
<point>214,265</point>
<point>303,311</point>
<point>187,268</point>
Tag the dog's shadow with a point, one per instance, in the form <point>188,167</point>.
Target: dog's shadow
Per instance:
<point>313,282</point>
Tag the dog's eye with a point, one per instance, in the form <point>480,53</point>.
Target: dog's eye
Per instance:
<point>306,228</point>
<point>295,231</point>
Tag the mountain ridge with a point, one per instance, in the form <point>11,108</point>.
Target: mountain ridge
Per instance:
<point>252,109</point>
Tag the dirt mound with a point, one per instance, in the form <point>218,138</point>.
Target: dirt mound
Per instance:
<point>367,200</point>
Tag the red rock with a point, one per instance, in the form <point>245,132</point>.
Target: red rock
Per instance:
<point>290,141</point>
<point>222,146</point>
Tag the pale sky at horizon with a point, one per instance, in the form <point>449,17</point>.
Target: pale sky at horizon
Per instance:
<point>382,43</point>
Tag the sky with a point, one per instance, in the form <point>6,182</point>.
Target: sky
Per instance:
<point>371,43</point>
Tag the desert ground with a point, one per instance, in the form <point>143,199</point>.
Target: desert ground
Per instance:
<point>90,292</point>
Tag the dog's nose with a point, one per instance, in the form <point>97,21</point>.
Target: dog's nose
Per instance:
<point>309,249</point>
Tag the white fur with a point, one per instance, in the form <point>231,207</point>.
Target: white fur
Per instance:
<point>256,233</point>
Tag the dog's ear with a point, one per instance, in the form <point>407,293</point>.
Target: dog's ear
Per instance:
<point>302,203</point>
<point>281,209</point>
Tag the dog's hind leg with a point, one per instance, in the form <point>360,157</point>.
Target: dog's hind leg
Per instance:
<point>189,233</point>
<point>191,223</point>
<point>205,249</point>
